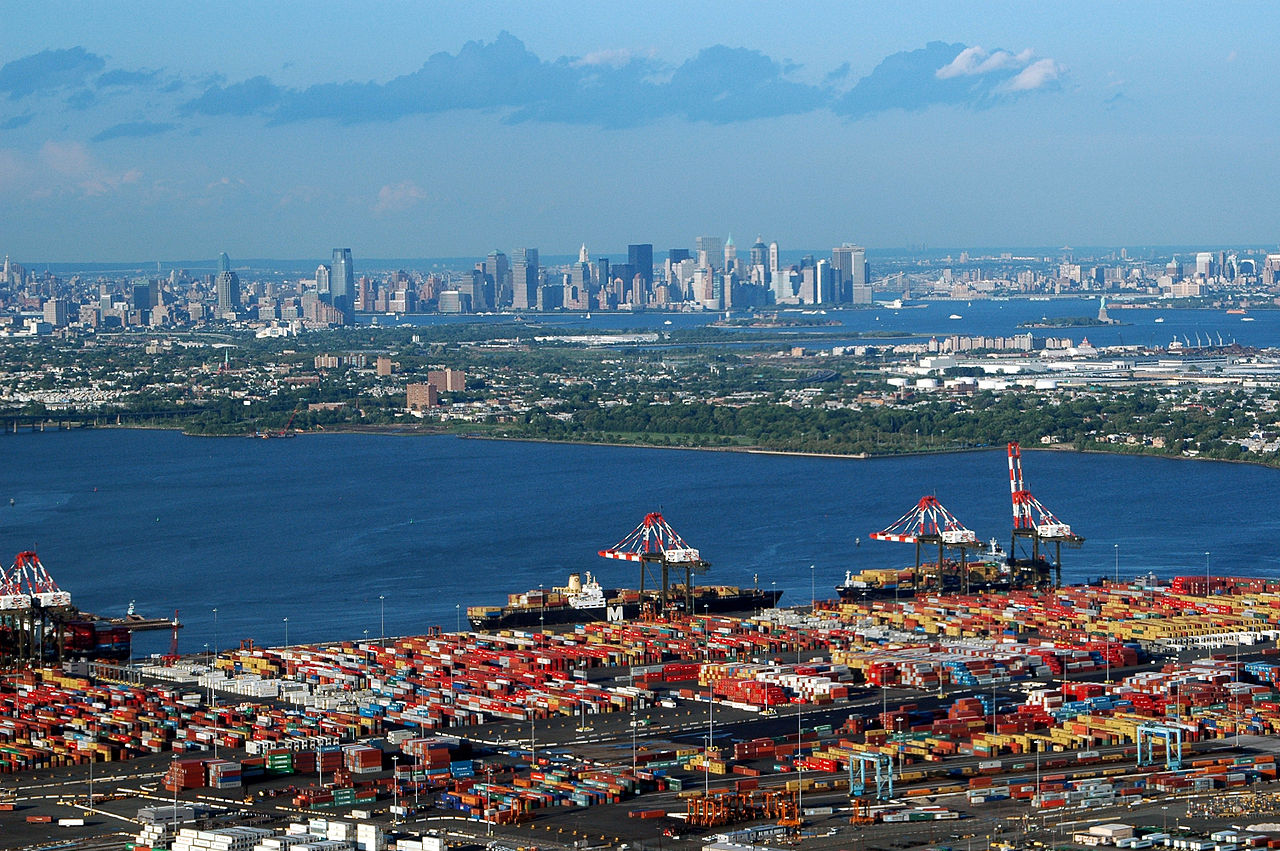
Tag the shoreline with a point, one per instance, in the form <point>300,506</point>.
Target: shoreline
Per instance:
<point>402,431</point>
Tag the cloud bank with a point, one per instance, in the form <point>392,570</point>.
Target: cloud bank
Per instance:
<point>608,87</point>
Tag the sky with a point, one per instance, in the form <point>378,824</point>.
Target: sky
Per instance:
<point>146,130</point>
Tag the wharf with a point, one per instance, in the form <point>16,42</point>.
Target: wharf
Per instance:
<point>1017,705</point>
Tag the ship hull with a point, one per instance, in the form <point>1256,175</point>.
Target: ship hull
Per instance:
<point>515,616</point>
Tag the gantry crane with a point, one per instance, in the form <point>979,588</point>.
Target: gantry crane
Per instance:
<point>31,605</point>
<point>1033,521</point>
<point>655,542</point>
<point>930,523</point>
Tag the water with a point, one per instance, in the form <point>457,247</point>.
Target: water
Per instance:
<point>318,528</point>
<point>980,317</point>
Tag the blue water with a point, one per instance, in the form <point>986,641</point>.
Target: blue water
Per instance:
<point>980,317</point>
<point>317,528</point>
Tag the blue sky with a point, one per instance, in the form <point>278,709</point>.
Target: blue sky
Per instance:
<point>167,130</point>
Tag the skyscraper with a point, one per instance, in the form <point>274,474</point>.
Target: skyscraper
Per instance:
<point>227,286</point>
<point>730,256</point>
<point>850,264</point>
<point>496,285</point>
<point>342,282</point>
<point>323,274</point>
<point>640,259</point>
<point>525,277</point>
<point>710,252</point>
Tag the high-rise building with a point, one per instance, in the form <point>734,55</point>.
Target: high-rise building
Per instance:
<point>759,252</point>
<point>640,259</point>
<point>525,277</point>
<point>710,252</point>
<point>342,282</point>
<point>322,279</point>
<point>730,256</point>
<point>496,272</point>
<point>227,286</point>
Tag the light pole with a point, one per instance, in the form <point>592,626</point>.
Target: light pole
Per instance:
<point>813,591</point>
<point>395,789</point>
<point>457,607</point>
<point>799,769</point>
<point>382,603</point>
<point>1206,573</point>
<point>215,631</point>
<point>1116,547</point>
<point>286,632</point>
<point>173,774</point>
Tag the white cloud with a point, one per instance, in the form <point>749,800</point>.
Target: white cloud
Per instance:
<point>1036,75</point>
<point>68,167</point>
<point>975,60</point>
<point>398,197</point>
<point>611,57</point>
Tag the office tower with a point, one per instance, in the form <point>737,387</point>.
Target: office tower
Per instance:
<point>322,279</point>
<point>227,285</point>
<point>342,282</point>
<point>775,260</point>
<point>640,259</point>
<point>55,312</point>
<point>759,252</point>
<point>525,277</point>
<point>730,256</point>
<point>497,286</point>
<point>710,252</point>
<point>676,255</point>
<point>824,283</point>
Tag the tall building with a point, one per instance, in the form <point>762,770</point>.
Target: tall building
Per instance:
<point>496,284</point>
<point>227,286</point>
<point>640,259</point>
<point>525,277</point>
<point>730,256</point>
<point>342,282</point>
<point>759,252</point>
<point>710,252</point>
<point>322,279</point>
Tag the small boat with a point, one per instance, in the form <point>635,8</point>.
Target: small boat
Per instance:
<point>666,322</point>
<point>1159,319</point>
<point>955,316</point>
<point>1246,318</point>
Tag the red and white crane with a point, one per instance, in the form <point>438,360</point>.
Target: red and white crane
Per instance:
<point>1032,520</point>
<point>929,522</point>
<point>655,541</point>
<point>26,582</point>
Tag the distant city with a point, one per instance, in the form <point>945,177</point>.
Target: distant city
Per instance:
<point>713,275</point>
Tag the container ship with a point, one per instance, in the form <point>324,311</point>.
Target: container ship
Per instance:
<point>584,600</point>
<point>990,571</point>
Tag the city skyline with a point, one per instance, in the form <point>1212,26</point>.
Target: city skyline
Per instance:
<point>442,131</point>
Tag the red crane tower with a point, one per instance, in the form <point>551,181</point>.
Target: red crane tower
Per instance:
<point>929,522</point>
<point>1032,520</point>
<point>31,602</point>
<point>655,542</point>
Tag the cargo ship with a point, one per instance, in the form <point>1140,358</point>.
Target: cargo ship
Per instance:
<point>582,601</point>
<point>989,571</point>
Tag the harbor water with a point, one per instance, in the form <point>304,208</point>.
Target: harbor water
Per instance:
<point>353,535</point>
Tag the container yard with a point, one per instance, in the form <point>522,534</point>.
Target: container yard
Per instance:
<point>931,716</point>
